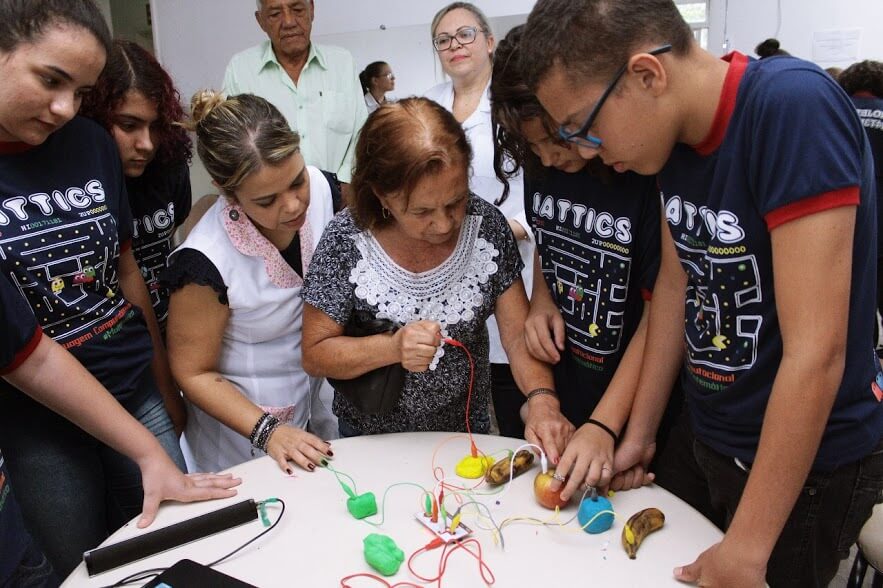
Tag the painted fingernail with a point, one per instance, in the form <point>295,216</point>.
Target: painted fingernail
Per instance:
<point>330,453</point>
<point>324,462</point>
<point>288,471</point>
<point>312,467</point>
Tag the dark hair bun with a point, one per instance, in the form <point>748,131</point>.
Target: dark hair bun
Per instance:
<point>769,48</point>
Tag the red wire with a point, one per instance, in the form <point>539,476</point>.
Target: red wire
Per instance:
<point>486,574</point>
<point>386,584</point>
<point>456,343</point>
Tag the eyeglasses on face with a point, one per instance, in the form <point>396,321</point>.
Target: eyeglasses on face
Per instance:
<point>581,136</point>
<point>464,36</point>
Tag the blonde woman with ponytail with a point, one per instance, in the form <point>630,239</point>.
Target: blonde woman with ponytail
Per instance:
<point>234,329</point>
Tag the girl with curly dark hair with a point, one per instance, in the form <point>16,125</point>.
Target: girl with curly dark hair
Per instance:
<point>583,216</point>
<point>136,101</point>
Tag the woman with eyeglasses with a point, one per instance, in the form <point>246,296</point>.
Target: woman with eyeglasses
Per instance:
<point>377,79</point>
<point>464,43</point>
<point>596,260</point>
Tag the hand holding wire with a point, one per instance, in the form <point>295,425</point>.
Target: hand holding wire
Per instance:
<point>418,342</point>
<point>547,427</point>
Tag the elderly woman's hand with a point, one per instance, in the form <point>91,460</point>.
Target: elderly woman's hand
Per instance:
<point>545,426</point>
<point>289,443</point>
<point>417,343</point>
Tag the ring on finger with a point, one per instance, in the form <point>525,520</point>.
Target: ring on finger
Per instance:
<point>558,477</point>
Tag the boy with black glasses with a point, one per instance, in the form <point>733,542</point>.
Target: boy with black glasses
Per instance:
<point>767,277</point>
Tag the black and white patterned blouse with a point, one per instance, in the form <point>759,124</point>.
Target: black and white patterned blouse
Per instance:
<point>352,276</point>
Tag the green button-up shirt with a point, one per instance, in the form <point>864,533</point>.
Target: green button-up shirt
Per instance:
<point>325,107</point>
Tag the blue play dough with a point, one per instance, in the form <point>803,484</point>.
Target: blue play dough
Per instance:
<point>588,508</point>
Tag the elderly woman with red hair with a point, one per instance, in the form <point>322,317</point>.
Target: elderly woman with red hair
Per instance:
<point>418,250</point>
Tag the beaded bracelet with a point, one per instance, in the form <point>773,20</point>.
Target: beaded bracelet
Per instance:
<point>264,435</point>
<point>604,427</point>
<point>540,392</point>
<point>258,427</point>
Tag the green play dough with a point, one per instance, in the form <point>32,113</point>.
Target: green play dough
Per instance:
<point>363,505</point>
<point>383,554</point>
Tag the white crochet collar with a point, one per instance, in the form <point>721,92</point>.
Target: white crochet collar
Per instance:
<point>448,293</point>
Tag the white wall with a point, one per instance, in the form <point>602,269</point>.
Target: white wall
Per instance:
<point>104,6</point>
<point>194,39</point>
<point>129,19</point>
<point>342,16</point>
<point>408,51</point>
<point>752,21</point>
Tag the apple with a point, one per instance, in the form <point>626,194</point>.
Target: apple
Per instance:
<point>545,495</point>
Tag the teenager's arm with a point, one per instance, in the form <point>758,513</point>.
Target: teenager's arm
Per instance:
<point>812,266</point>
<point>544,329</point>
<point>132,285</point>
<point>589,455</point>
<point>53,377</point>
<point>545,425</point>
<point>663,354</point>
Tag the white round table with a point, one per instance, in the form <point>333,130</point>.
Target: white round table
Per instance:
<point>317,542</point>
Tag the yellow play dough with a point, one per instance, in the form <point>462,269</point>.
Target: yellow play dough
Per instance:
<point>474,467</point>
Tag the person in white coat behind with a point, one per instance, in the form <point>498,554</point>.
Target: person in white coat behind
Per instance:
<point>464,42</point>
<point>234,325</point>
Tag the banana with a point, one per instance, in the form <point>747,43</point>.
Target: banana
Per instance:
<point>499,472</point>
<point>637,528</point>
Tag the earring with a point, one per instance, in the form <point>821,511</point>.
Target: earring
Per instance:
<point>234,215</point>
<point>385,212</point>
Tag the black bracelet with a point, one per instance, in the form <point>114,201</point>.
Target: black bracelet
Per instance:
<point>258,428</point>
<point>264,434</point>
<point>264,437</point>
<point>604,427</point>
<point>540,392</point>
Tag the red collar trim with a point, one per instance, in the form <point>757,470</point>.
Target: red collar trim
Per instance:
<point>725,106</point>
<point>14,147</point>
<point>863,94</point>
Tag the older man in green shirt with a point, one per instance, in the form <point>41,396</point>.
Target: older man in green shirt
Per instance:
<point>316,87</point>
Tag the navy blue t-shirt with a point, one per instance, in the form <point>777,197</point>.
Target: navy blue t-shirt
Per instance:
<point>786,143</point>
<point>160,200</point>
<point>870,111</point>
<point>64,219</point>
<point>598,244</point>
<point>19,338</point>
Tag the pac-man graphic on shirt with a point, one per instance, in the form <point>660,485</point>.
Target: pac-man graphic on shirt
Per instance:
<point>877,387</point>
<point>720,341</point>
<point>594,330</point>
<point>57,285</point>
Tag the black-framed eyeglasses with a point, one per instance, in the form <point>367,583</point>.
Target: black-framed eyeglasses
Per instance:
<point>464,36</point>
<point>581,136</point>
